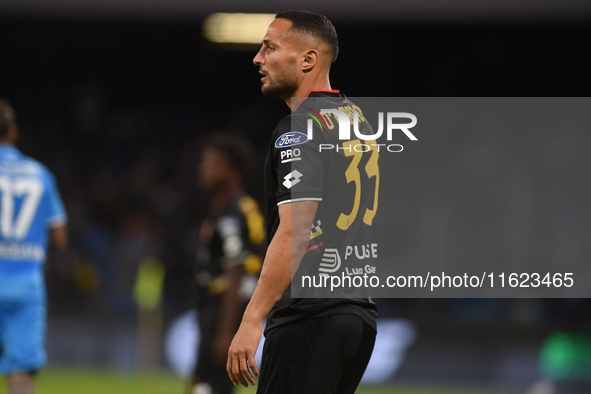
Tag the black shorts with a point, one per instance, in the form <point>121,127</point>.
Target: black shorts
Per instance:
<point>316,356</point>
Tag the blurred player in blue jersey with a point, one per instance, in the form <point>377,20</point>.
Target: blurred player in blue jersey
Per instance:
<point>31,214</point>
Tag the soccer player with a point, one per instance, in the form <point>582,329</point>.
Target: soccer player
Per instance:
<point>318,206</point>
<point>228,257</point>
<point>30,211</point>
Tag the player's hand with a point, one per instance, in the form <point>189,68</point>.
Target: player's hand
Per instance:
<point>241,354</point>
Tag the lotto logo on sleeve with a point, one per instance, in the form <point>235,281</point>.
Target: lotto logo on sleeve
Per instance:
<point>291,138</point>
<point>291,179</point>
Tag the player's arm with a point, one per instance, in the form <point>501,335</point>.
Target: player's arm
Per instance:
<point>289,242</point>
<point>57,221</point>
<point>229,313</point>
<point>58,236</point>
<point>237,255</point>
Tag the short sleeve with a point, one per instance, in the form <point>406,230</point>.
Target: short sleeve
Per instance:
<point>298,161</point>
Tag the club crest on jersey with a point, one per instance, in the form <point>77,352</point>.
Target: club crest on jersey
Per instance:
<point>291,138</point>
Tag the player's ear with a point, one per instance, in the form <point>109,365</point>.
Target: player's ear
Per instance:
<point>310,60</point>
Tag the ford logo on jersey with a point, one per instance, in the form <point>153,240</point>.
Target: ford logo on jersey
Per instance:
<point>290,139</point>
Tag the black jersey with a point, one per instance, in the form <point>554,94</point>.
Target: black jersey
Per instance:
<point>319,166</point>
<point>232,235</point>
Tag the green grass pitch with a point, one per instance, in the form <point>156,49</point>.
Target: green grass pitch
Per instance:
<point>92,381</point>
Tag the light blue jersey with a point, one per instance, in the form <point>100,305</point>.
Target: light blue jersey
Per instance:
<point>30,205</point>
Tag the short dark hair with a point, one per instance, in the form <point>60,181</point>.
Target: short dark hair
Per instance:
<point>7,117</point>
<point>239,151</point>
<point>315,24</point>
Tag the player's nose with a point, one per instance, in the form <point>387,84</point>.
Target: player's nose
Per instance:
<point>258,59</point>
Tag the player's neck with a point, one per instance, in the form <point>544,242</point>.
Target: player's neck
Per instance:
<point>11,137</point>
<point>222,195</point>
<point>304,90</point>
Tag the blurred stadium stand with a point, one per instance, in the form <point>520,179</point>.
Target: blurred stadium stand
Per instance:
<point>381,10</point>
<point>116,98</point>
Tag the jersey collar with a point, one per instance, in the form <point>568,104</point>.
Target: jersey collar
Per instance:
<point>222,198</point>
<point>8,148</point>
<point>320,93</point>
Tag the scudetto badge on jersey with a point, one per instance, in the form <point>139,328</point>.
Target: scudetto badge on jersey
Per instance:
<point>291,138</point>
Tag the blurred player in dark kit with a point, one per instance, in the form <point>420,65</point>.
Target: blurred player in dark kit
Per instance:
<point>30,210</point>
<point>317,204</point>
<point>228,256</point>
